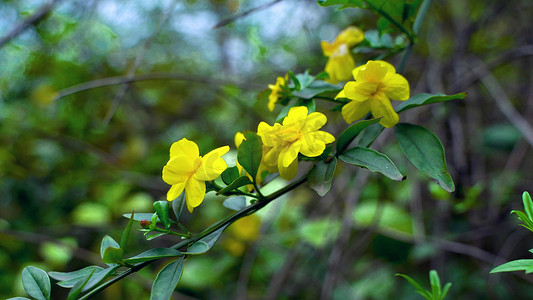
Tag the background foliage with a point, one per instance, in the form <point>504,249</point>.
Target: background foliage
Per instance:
<point>71,163</point>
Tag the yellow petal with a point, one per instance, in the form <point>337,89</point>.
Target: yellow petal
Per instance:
<point>360,91</point>
<point>175,190</point>
<point>289,154</point>
<point>396,87</point>
<point>356,71</point>
<point>341,94</point>
<point>194,193</point>
<point>311,146</point>
<point>296,117</point>
<point>323,136</point>
<point>327,48</point>
<point>289,172</point>
<point>239,137</point>
<point>340,64</point>
<point>374,71</point>
<point>212,165</point>
<point>267,134</point>
<point>178,169</point>
<point>314,121</point>
<point>380,106</point>
<point>184,147</point>
<point>355,110</point>
<point>351,35</point>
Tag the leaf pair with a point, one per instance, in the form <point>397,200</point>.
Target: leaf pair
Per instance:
<point>436,293</point>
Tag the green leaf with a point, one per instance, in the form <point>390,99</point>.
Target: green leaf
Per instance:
<point>434,282</point>
<point>230,174</point>
<point>424,99</point>
<point>305,79</point>
<point>19,298</point>
<point>76,289</point>
<point>36,283</point>
<point>161,208</point>
<point>528,205</point>
<point>107,241</point>
<point>344,3</point>
<point>205,243</point>
<point>445,290</point>
<point>424,150</point>
<point>321,176</point>
<point>69,279</point>
<point>235,203</point>
<point>515,265</point>
<point>369,135</point>
<point>153,254</point>
<point>152,235</point>
<point>97,277</point>
<point>373,161</point>
<point>351,133</point>
<point>167,280</point>
<point>250,153</point>
<point>141,216</point>
<point>126,233</point>
<point>112,255</point>
<point>317,87</point>
<point>237,183</point>
<point>177,206</point>
<point>417,286</point>
<point>295,80</point>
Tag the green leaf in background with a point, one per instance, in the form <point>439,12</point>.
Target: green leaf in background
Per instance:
<point>69,279</point>
<point>424,99</point>
<point>205,243</point>
<point>348,135</point>
<point>152,254</point>
<point>320,232</point>
<point>250,153</point>
<point>235,203</point>
<point>167,280</point>
<point>177,206</point>
<point>230,174</point>
<point>373,161</point>
<point>515,265</point>
<point>321,176</point>
<point>126,233</point>
<point>107,241</point>
<point>237,183</point>
<point>424,150</point>
<point>161,208</point>
<point>391,219</point>
<point>36,283</point>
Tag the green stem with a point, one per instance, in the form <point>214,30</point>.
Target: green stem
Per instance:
<point>338,101</point>
<point>228,220</point>
<point>416,29</point>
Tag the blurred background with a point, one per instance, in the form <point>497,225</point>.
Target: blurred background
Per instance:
<point>93,93</point>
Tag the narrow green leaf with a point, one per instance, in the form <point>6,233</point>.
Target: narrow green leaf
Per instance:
<point>112,255</point>
<point>36,283</point>
<point>97,277</point>
<point>69,279</point>
<point>344,3</point>
<point>445,290</point>
<point>351,133</point>
<point>161,209</point>
<point>152,235</point>
<point>152,254</point>
<point>167,280</point>
<point>140,216</point>
<point>19,298</point>
<point>528,205</point>
<point>434,282</point>
<point>424,99</point>
<point>76,289</point>
<point>177,206</point>
<point>237,183</point>
<point>369,135</point>
<point>417,286</point>
<point>250,153</point>
<point>205,243</point>
<point>126,233</point>
<point>373,161</point>
<point>424,150</point>
<point>295,80</point>
<point>235,203</point>
<point>515,265</point>
<point>230,174</point>
<point>321,176</point>
<point>107,241</point>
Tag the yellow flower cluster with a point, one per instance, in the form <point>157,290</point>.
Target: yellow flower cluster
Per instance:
<point>276,91</point>
<point>340,63</point>
<point>298,133</point>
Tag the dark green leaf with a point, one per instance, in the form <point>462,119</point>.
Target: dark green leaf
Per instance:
<point>344,3</point>
<point>230,174</point>
<point>295,80</point>
<point>153,254</point>
<point>167,280</point>
<point>69,279</point>
<point>235,203</point>
<point>321,176</point>
<point>76,289</point>
<point>369,135</point>
<point>316,88</point>
<point>250,153</point>
<point>424,150</point>
<point>36,283</point>
<point>373,161</point>
<point>205,243</point>
<point>126,233</point>
<point>237,183</point>
<point>97,277</point>
<point>177,206</point>
<point>515,265</point>
<point>161,208</point>
<point>424,99</point>
<point>351,133</point>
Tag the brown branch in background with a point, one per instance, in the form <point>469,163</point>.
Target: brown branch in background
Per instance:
<point>244,14</point>
<point>33,19</point>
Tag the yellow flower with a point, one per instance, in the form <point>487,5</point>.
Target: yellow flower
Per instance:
<point>187,170</point>
<point>276,90</point>
<point>340,63</point>
<point>376,83</point>
<point>297,134</point>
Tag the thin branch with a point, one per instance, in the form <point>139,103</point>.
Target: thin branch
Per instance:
<point>33,19</point>
<point>244,14</point>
